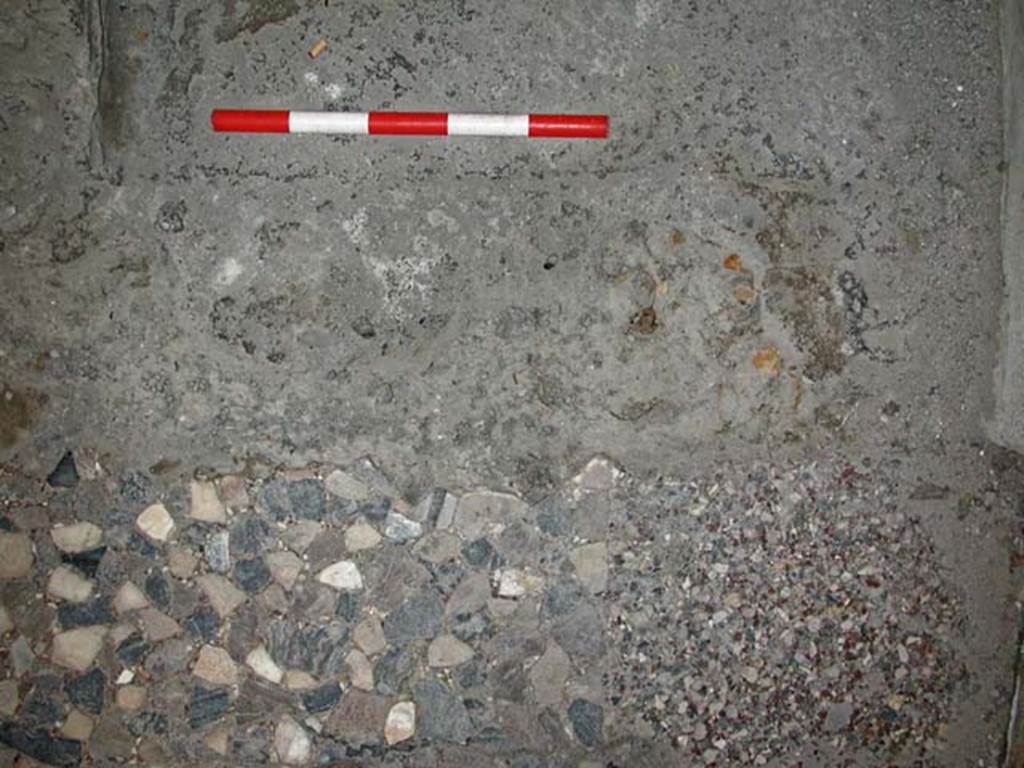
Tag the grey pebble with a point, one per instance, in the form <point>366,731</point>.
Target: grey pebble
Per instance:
<point>217,552</point>
<point>838,716</point>
<point>481,553</point>
<point>259,700</point>
<point>562,598</point>
<point>171,216</point>
<point>472,674</point>
<point>135,487</point>
<point>509,680</point>
<point>169,657</point>
<point>141,545</point>
<point>440,714</point>
<point>111,743</point>
<point>554,520</point>
<point>401,529</point>
<point>340,511</point>
<point>22,658</point>
<point>419,617</point>
<point>317,649</point>
<point>581,634</point>
<point>147,724</point>
<point>446,576</point>
<point>395,669</point>
<point>348,607</point>
<point>301,499</point>
<point>375,511</point>
<point>469,626</point>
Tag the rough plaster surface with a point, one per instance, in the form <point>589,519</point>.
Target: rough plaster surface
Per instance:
<point>465,306</point>
<point>788,248</point>
<point>1008,423</point>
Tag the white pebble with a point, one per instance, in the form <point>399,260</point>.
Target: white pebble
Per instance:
<point>156,522</point>
<point>259,661</point>
<point>343,575</point>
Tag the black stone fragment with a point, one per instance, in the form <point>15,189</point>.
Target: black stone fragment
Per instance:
<point>40,745</point>
<point>87,562</point>
<point>321,699</point>
<point>65,474</point>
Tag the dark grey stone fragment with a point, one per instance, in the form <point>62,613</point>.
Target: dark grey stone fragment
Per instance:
<point>87,691</point>
<point>132,649</point>
<point>207,705</point>
<point>158,590</point>
<point>95,611</point>
<point>203,624</point>
<point>40,745</point>
<point>587,720</point>
<point>252,575</point>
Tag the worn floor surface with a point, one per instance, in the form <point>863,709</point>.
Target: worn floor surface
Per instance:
<point>768,300</point>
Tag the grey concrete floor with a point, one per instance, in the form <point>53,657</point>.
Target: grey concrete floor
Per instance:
<point>803,197</point>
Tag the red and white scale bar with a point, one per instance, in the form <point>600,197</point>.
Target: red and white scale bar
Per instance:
<point>410,123</point>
